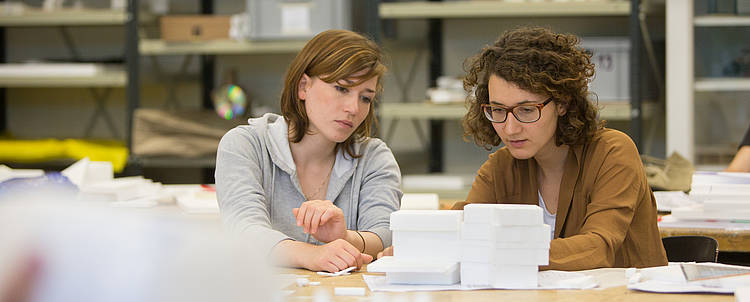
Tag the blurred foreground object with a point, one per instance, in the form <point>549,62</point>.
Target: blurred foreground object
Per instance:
<point>58,250</point>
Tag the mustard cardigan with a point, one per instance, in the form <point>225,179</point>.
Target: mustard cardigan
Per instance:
<point>606,214</point>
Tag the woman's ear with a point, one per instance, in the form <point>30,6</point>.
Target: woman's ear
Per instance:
<point>304,84</point>
<point>562,108</point>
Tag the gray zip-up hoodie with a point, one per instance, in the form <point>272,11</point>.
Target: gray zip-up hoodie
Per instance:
<point>257,184</point>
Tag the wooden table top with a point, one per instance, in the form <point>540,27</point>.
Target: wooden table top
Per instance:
<point>621,293</point>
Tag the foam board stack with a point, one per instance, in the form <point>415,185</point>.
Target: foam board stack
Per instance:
<point>502,245</point>
<point>719,196</point>
<point>426,248</point>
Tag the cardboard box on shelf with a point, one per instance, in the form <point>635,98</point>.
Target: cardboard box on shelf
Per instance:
<point>184,28</point>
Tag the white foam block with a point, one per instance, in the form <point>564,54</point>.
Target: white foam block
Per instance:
<point>408,236</point>
<point>450,276</point>
<point>528,236</point>
<point>487,253</point>
<point>85,172</point>
<point>520,256</point>
<point>503,214</point>
<point>99,171</point>
<point>420,201</point>
<point>388,264</point>
<point>475,274</point>
<point>428,250</point>
<point>120,189</point>
<point>426,220</point>
<point>514,276</point>
<point>507,234</point>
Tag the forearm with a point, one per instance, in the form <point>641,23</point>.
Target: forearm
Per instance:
<point>371,245</point>
<point>290,253</point>
<point>579,252</point>
<point>741,161</point>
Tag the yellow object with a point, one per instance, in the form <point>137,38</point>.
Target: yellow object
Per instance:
<point>12,150</point>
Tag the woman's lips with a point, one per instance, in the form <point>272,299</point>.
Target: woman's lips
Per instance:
<point>517,143</point>
<point>344,123</point>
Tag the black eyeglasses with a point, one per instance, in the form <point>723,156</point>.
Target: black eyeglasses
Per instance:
<point>526,113</point>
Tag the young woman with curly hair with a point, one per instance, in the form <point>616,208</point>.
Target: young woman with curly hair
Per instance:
<point>529,90</point>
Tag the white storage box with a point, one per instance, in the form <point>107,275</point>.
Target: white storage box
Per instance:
<point>420,201</point>
<point>478,274</point>
<point>539,256</point>
<point>530,235</point>
<point>503,214</point>
<point>428,250</point>
<point>296,19</point>
<point>426,220</point>
<point>475,274</point>
<point>514,276</point>
<point>611,58</point>
<point>410,236</point>
<point>399,271</point>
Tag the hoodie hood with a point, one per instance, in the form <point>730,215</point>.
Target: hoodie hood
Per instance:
<point>276,134</point>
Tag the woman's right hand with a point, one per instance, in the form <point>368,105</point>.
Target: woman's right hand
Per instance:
<point>335,256</point>
<point>386,252</point>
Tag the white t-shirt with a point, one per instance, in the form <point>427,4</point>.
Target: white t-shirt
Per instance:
<point>549,218</point>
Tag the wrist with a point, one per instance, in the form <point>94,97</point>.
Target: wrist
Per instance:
<point>292,253</point>
<point>356,239</point>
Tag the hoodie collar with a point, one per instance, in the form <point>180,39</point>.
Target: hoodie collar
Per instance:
<point>277,138</point>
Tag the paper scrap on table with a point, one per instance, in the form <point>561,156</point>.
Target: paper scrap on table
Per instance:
<point>349,291</point>
<point>339,273</point>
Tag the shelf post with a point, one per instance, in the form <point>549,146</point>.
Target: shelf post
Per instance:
<point>679,78</point>
<point>435,43</point>
<point>132,61</point>
<point>636,39</point>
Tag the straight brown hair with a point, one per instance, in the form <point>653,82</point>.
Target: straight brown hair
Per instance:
<point>332,55</point>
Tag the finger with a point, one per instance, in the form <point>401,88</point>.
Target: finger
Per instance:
<point>308,218</point>
<point>348,259</point>
<point>331,268</point>
<point>316,220</point>
<point>366,258</point>
<point>330,213</point>
<point>338,262</point>
<point>295,211</point>
<point>352,251</point>
<point>301,213</point>
<point>380,254</point>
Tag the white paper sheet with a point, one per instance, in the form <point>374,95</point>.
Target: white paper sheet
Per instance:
<point>670,279</point>
<point>547,280</point>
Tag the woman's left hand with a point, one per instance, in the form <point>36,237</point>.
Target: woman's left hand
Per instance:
<point>321,219</point>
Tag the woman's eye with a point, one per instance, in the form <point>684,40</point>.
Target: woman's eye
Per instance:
<point>367,99</point>
<point>341,89</point>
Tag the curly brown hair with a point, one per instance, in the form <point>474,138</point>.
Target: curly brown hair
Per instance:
<point>541,62</point>
<point>332,55</point>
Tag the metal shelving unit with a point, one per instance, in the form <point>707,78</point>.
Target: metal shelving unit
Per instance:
<point>64,17</point>
<point>495,9</point>
<point>153,47</point>
<point>682,83</point>
<point>110,77</point>
<point>104,79</point>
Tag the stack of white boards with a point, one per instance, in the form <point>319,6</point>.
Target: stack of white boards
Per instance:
<point>426,248</point>
<point>718,196</point>
<point>485,245</point>
<point>502,245</point>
